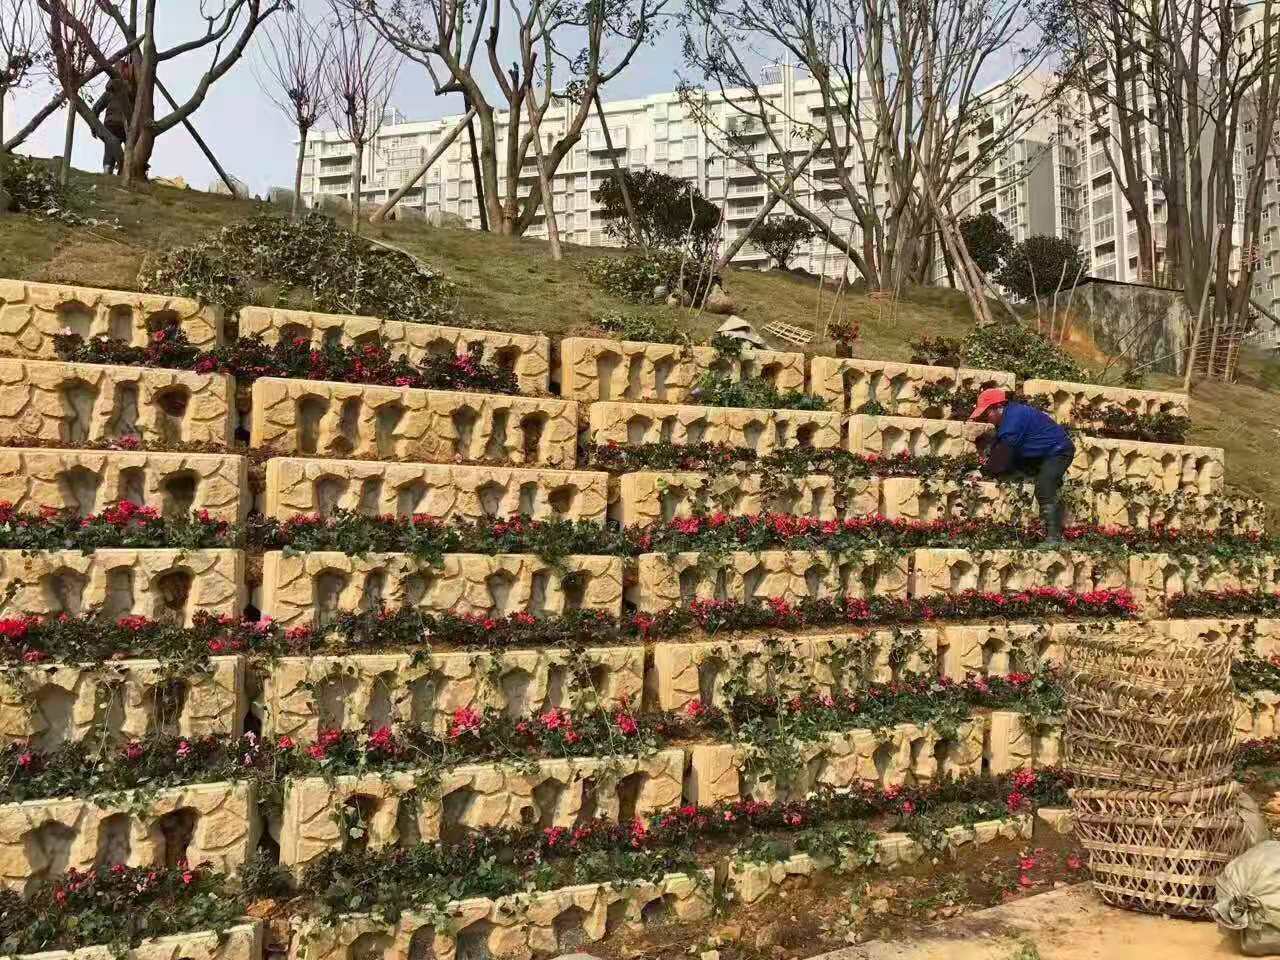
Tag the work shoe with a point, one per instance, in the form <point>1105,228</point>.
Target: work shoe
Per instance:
<point>1051,519</point>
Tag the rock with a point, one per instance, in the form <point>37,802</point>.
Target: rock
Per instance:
<point>709,955</point>
<point>7,204</point>
<point>880,907</point>
<point>576,956</point>
<point>879,890</point>
<point>660,292</point>
<point>718,302</point>
<point>730,933</point>
<point>768,935</point>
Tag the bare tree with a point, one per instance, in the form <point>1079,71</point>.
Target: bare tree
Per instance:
<point>361,74</point>
<point>899,97</point>
<point>72,27</point>
<point>293,78</point>
<point>228,25</point>
<point>593,40</point>
<point>21,41</point>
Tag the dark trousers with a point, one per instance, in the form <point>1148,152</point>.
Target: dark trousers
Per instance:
<point>1048,474</point>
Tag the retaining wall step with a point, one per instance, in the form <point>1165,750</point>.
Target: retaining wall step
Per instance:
<point>599,370</point>
<point>299,589</point>
<point>1065,397</point>
<point>946,571</point>
<point>87,481</point>
<point>892,436</point>
<point>668,580</point>
<point>902,754</point>
<point>74,403</point>
<point>303,485</point>
<point>209,822</point>
<point>169,585</point>
<point>241,942</point>
<point>398,424</point>
<point>32,313</point>
<point>1160,467</point>
<point>760,430</point>
<point>401,808</point>
<point>52,704</point>
<point>521,925</point>
<point>652,496</point>
<point>303,695</point>
<point>848,384</point>
<point>528,356</point>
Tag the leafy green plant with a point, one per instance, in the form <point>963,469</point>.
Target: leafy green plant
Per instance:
<point>779,237</point>
<point>644,329</point>
<point>340,272</point>
<point>719,390</point>
<point>637,277</point>
<point>670,213</point>
<point>1039,265</point>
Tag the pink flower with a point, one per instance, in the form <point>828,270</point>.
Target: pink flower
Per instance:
<point>133,750</point>
<point>627,724</point>
<point>184,748</point>
<point>1024,881</point>
<point>1027,863</point>
<point>188,876</point>
<point>465,720</point>
<point>26,759</point>
<point>286,743</point>
<point>317,751</point>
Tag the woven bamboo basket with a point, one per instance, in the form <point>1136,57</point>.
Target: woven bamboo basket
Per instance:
<point>1152,660</point>
<point>1159,851</point>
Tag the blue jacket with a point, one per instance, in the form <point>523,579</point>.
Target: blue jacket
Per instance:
<point>1031,434</point>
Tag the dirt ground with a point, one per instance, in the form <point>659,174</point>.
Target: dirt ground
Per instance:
<point>813,915</point>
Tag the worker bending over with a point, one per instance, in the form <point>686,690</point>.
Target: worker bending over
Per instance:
<point>1028,441</point>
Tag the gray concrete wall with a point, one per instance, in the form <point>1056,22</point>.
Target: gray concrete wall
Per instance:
<point>1148,324</point>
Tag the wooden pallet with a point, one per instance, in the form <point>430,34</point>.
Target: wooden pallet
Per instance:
<point>789,332</point>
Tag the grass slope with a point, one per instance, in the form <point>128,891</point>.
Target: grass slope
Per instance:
<point>513,284</point>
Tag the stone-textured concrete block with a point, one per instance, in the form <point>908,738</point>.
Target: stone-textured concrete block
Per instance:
<point>898,756</point>
<point>664,580</point>
<point>1148,507</point>
<point>1154,578</point>
<point>303,695</point>
<point>31,313</point>
<point>940,571</point>
<point>241,942</point>
<point>300,485</point>
<point>168,585</point>
<point>648,497</point>
<point>397,809</point>
<point>88,480</point>
<point>303,588</point>
<point>992,649</point>
<point>73,403</point>
<point>686,672</point>
<point>760,430</point>
<point>522,925</point>
<point>526,355</point>
<point>1015,743</point>
<point>847,385</point>
<point>209,822</point>
<point>891,436</point>
<point>1160,467</point>
<point>921,498</point>
<point>52,704</point>
<point>398,424</point>
<point>593,370</point>
<point>1066,398</point>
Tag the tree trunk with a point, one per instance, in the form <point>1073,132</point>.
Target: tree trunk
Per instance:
<point>68,141</point>
<point>356,171</point>
<point>297,175</point>
<point>3,94</point>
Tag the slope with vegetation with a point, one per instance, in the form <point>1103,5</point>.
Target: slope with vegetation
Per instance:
<point>118,238</point>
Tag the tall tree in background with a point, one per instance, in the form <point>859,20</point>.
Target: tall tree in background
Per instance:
<point>906,92</point>
<point>73,28</point>
<point>460,44</point>
<point>21,42</point>
<point>295,56</point>
<point>361,74</point>
<point>228,25</point>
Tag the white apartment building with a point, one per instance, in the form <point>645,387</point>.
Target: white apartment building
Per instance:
<point>652,131</point>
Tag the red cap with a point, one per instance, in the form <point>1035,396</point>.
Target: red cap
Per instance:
<point>991,397</point>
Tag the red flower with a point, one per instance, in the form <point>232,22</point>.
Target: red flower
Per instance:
<point>286,743</point>
<point>627,724</point>
<point>26,759</point>
<point>133,750</point>
<point>317,751</point>
<point>465,720</point>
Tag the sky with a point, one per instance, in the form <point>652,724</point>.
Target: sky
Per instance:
<point>246,132</point>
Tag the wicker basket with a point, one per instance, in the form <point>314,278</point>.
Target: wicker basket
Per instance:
<point>1159,851</point>
<point>1152,660</point>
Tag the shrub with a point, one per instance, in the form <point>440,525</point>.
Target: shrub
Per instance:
<point>987,239</point>
<point>1038,265</point>
<point>663,205</point>
<point>32,187</point>
<point>636,277</point>
<point>1020,350</point>
<point>649,330</point>
<point>341,272</point>
<point>780,236</point>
